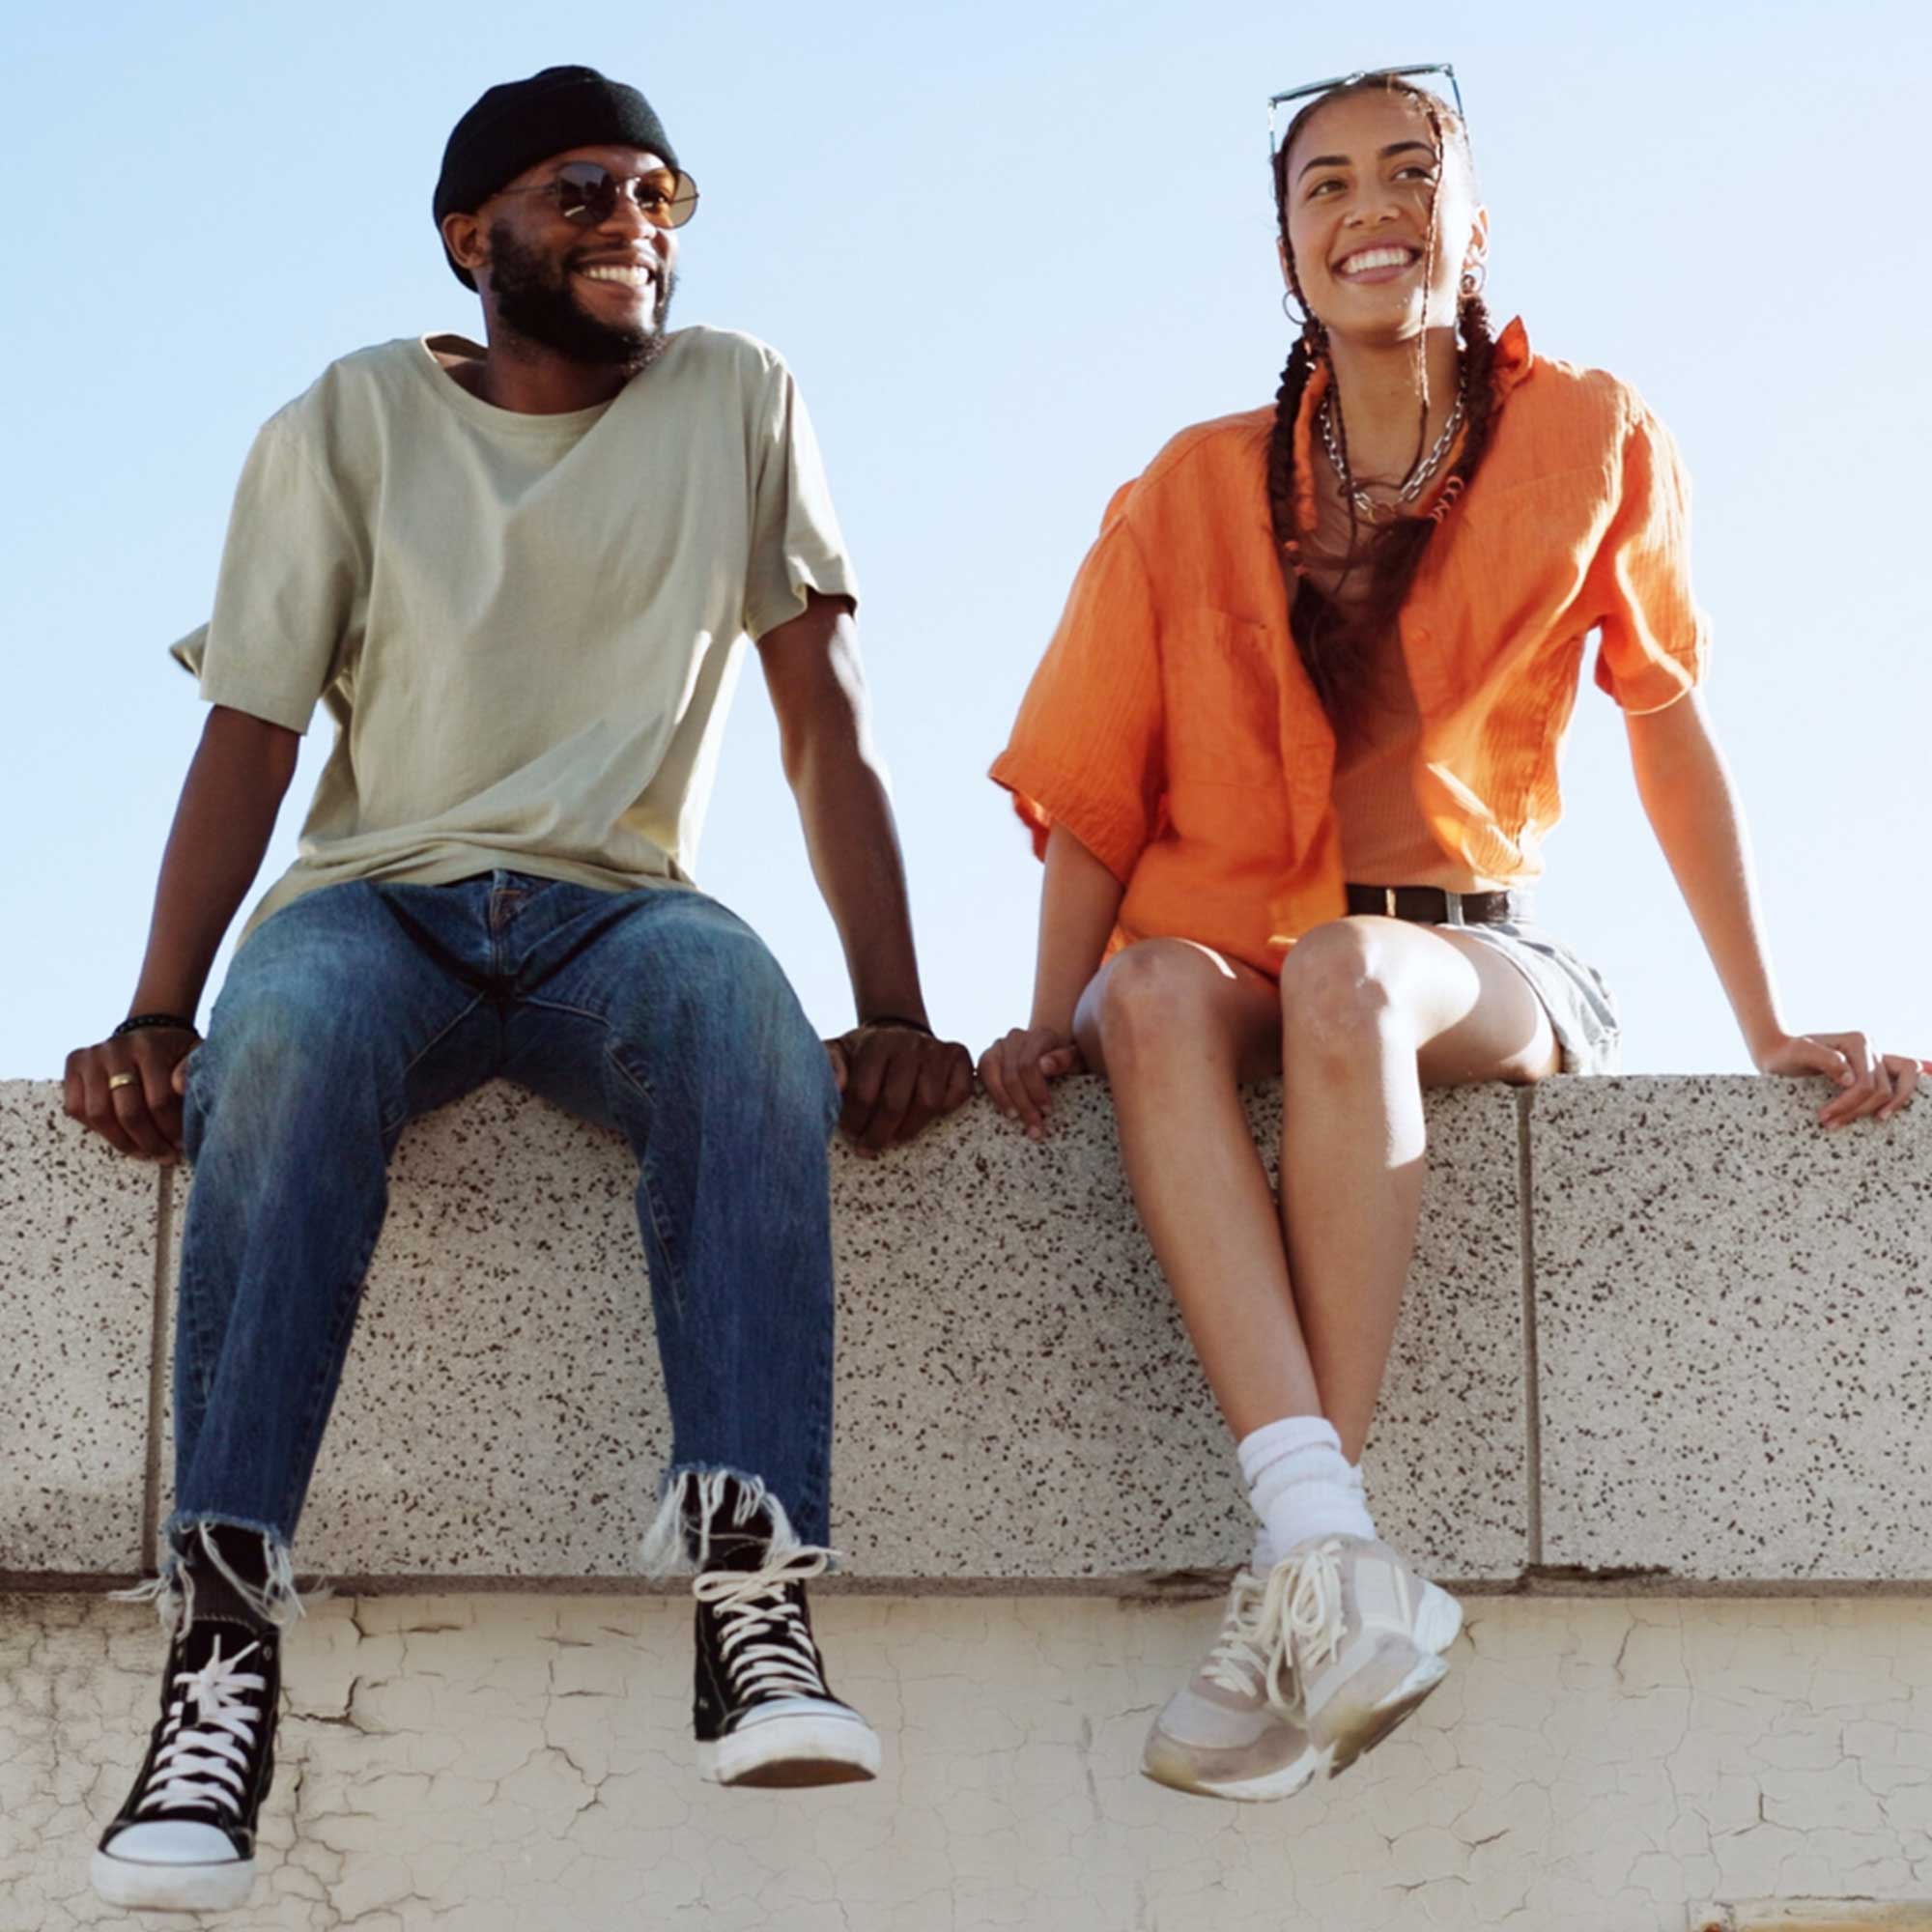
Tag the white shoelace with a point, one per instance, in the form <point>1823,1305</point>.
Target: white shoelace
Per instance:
<point>206,1762</point>
<point>763,1641</point>
<point>1235,1663</point>
<point>1300,1623</point>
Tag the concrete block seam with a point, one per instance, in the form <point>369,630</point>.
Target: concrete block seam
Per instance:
<point>151,1480</point>
<point>1532,1393</point>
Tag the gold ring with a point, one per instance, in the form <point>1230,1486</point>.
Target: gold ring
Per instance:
<point>115,1080</point>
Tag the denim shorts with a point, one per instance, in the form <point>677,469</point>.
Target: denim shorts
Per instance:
<point>1581,1008</point>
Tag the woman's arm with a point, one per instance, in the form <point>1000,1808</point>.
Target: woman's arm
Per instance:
<point>1693,809</point>
<point>1079,900</point>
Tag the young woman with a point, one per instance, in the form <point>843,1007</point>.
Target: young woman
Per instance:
<point>1289,760</point>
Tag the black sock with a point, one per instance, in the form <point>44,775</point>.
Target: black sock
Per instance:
<point>215,1595</point>
<point>730,1545</point>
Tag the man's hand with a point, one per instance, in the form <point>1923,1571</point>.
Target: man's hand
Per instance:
<point>1870,1083</point>
<point>129,1091</point>
<point>896,1079</point>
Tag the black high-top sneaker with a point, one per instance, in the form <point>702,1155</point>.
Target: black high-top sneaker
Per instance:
<point>184,1842</point>
<point>763,1712</point>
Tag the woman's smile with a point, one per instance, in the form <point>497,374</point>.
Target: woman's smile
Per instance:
<point>1382,262</point>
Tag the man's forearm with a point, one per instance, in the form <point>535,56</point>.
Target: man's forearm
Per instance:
<point>854,847</point>
<point>221,829</point>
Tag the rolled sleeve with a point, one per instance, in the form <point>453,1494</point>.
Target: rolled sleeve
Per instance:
<point>284,602</point>
<point>796,544</point>
<point>1086,750</point>
<point>1655,641</point>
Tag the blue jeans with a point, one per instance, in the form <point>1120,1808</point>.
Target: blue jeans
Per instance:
<point>358,1007</point>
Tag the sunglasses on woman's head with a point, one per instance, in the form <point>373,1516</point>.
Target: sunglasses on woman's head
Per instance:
<point>585,193</point>
<point>1276,102</point>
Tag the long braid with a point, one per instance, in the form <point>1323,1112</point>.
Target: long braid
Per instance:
<point>1338,648</point>
<point>1281,441</point>
<point>1479,400</point>
<point>1330,651</point>
<point>1422,396</point>
<point>1325,647</point>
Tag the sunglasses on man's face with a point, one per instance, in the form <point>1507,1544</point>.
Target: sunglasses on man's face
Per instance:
<point>585,193</point>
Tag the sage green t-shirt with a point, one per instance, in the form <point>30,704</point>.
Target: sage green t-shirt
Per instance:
<point>526,628</point>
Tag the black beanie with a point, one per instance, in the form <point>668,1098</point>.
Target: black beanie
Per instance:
<point>521,122</point>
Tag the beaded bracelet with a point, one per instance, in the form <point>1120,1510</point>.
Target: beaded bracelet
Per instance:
<point>897,1020</point>
<point>136,1022</point>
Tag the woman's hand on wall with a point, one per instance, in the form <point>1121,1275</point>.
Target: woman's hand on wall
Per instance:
<point>1019,1069</point>
<point>1870,1084</point>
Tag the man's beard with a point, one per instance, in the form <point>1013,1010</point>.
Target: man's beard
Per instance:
<point>535,298</point>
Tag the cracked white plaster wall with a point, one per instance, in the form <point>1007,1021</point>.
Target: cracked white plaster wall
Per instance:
<point>499,1762</point>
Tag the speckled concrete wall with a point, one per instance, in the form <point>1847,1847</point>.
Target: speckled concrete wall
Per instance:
<point>77,1234</point>
<point>504,1763</point>
<point>1733,1331</point>
<point>1016,1397</point>
<point>1699,1347</point>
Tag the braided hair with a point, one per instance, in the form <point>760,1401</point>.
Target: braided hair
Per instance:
<point>1336,646</point>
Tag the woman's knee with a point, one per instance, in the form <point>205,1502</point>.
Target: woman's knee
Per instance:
<point>1336,985</point>
<point>1155,996</point>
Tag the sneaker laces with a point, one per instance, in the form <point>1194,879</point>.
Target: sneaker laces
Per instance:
<point>1235,1663</point>
<point>206,1764</point>
<point>762,1637</point>
<point>1300,1624</point>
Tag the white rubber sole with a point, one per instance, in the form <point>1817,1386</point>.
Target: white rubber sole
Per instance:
<point>792,1750</point>
<point>1363,1731</point>
<point>1174,1774</point>
<point>157,1888</point>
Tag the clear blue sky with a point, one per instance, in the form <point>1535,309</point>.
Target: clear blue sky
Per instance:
<point>1008,249</point>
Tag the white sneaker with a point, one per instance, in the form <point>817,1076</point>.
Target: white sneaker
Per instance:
<point>1219,1734</point>
<point>1351,1642</point>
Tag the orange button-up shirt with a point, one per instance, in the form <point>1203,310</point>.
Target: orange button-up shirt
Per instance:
<point>1172,728</point>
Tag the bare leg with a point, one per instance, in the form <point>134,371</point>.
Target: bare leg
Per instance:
<point>1176,1028</point>
<point>1373,1010</point>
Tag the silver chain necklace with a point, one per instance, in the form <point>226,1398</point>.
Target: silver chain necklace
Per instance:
<point>1366,506</point>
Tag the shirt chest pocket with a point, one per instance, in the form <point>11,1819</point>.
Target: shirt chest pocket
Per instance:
<point>1223,701</point>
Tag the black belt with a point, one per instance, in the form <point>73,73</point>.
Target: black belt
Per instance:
<point>1431,905</point>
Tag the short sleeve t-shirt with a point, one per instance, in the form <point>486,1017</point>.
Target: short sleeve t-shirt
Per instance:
<point>526,628</point>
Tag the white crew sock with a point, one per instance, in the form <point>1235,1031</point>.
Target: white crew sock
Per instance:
<point>1301,1485</point>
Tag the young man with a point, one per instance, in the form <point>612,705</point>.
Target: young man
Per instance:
<point>519,577</point>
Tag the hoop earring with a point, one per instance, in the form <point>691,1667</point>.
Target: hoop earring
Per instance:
<point>1314,335</point>
<point>1475,277</point>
